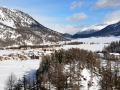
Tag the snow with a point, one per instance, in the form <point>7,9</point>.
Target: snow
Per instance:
<point>94,80</point>
<point>9,23</point>
<point>19,68</point>
<point>5,21</point>
<point>94,47</point>
<point>13,10</point>
<point>10,17</point>
<point>88,29</point>
<point>114,53</point>
<point>99,44</point>
<point>92,43</point>
<point>98,39</point>
<point>1,14</point>
<point>86,79</point>
<point>9,51</point>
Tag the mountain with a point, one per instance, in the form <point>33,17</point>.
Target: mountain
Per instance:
<point>17,27</point>
<point>67,35</point>
<point>110,30</point>
<point>91,29</point>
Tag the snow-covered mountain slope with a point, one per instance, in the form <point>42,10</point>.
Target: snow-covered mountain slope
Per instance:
<point>17,27</point>
<point>92,29</point>
<point>109,30</point>
<point>15,18</point>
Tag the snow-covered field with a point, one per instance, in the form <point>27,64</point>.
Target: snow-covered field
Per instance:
<point>93,47</point>
<point>9,51</point>
<point>99,43</point>
<point>19,68</point>
<point>101,40</point>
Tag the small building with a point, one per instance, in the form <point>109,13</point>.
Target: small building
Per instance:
<point>22,48</point>
<point>2,58</point>
<point>116,55</point>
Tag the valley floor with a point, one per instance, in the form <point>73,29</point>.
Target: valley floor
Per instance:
<point>93,43</point>
<point>26,67</point>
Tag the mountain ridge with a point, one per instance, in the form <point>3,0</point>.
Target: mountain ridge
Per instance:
<point>18,28</point>
<point>110,30</point>
<point>91,29</point>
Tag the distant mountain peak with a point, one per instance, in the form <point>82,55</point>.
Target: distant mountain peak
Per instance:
<point>109,30</point>
<point>91,29</point>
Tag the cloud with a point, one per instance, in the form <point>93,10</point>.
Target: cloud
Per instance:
<point>83,26</point>
<point>109,18</point>
<point>113,17</point>
<point>53,24</point>
<point>76,4</point>
<point>76,17</point>
<point>106,4</point>
<point>66,28</point>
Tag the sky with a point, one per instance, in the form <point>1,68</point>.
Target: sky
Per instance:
<point>68,16</point>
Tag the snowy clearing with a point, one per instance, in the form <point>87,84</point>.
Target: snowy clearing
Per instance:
<point>101,40</point>
<point>19,68</point>
<point>99,43</point>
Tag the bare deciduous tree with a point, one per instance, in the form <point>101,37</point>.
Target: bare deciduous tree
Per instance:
<point>11,82</point>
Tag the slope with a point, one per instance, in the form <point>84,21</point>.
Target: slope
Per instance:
<point>110,30</point>
<point>17,27</point>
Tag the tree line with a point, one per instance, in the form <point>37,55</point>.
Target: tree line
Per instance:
<point>113,47</point>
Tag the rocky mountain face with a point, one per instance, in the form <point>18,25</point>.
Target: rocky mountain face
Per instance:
<point>110,30</point>
<point>18,28</point>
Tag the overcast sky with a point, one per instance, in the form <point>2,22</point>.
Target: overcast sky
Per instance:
<point>68,16</point>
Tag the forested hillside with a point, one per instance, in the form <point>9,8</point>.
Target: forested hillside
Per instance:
<point>63,70</point>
